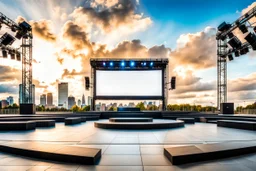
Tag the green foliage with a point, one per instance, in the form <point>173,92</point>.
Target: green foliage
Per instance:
<point>188,107</point>
<point>141,106</point>
<point>152,107</point>
<point>75,108</point>
<point>86,108</point>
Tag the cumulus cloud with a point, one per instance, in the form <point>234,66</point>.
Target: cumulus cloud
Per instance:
<point>196,50</point>
<point>9,74</point>
<point>122,16</point>
<point>247,83</point>
<point>104,3</point>
<point>76,36</point>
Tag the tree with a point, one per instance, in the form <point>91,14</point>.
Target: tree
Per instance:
<point>152,107</point>
<point>86,108</point>
<point>75,108</point>
<point>141,106</point>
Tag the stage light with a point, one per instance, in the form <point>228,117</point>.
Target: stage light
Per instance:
<point>18,56</point>
<point>122,63</point>
<point>224,26</point>
<point>237,54</point>
<point>151,63</point>
<point>244,51</point>
<point>132,64</point>
<point>4,52</point>
<point>145,63</point>
<point>111,64</point>
<point>230,57</point>
<point>235,42</point>
<point>243,28</point>
<point>7,39</point>
<point>104,63</point>
<point>251,39</point>
<point>230,35</point>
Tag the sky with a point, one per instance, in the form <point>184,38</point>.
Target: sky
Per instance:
<point>67,33</point>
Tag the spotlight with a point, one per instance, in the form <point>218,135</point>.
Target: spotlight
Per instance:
<point>230,35</point>
<point>244,51</point>
<point>224,26</point>
<point>235,42</point>
<point>12,54</point>
<point>230,57</point>
<point>251,39</point>
<point>4,52</point>
<point>7,39</point>
<point>132,64</point>
<point>122,63</point>
<point>145,63</point>
<point>104,63</point>
<point>243,28</point>
<point>18,56</point>
<point>111,64</point>
<point>151,63</point>
<point>237,54</point>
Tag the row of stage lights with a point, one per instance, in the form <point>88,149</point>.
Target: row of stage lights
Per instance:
<point>131,64</point>
<point>237,47</point>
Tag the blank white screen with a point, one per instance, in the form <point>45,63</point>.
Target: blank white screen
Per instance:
<point>129,83</point>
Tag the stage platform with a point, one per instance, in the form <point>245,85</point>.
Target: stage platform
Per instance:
<point>139,125</point>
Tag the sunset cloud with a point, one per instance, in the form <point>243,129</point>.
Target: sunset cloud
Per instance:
<point>196,50</point>
<point>119,16</point>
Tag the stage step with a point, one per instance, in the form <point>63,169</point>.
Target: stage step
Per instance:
<point>203,152</point>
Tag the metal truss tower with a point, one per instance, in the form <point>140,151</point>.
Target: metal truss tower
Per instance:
<point>222,72</point>
<point>24,32</point>
<point>27,70</point>
<point>223,51</point>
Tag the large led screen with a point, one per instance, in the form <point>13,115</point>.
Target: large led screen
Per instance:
<point>129,83</point>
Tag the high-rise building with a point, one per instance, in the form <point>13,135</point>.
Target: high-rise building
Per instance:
<point>43,99</point>
<point>33,94</point>
<point>89,100</point>
<point>49,99</point>
<point>71,102</point>
<point>63,95</point>
<point>4,103</point>
<point>79,103</point>
<point>83,100</point>
<point>10,100</point>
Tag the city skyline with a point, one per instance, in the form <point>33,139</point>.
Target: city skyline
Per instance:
<point>60,55</point>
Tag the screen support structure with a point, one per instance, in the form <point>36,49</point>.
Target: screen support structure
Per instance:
<point>158,64</point>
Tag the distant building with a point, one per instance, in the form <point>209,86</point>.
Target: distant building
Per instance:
<point>131,104</point>
<point>79,103</point>
<point>33,93</point>
<point>10,100</point>
<point>49,99</point>
<point>89,100</point>
<point>103,107</point>
<point>4,103</point>
<point>71,102</point>
<point>97,107</point>
<point>63,95</point>
<point>83,100</point>
<point>43,99</point>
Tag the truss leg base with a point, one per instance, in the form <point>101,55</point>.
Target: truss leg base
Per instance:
<point>27,109</point>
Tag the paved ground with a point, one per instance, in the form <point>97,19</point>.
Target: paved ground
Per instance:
<point>128,150</point>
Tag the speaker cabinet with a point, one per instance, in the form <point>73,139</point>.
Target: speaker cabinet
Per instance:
<point>227,108</point>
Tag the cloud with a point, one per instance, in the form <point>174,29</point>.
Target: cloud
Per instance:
<point>247,83</point>
<point>8,88</point>
<point>9,74</point>
<point>42,28</point>
<point>104,3</point>
<point>76,36</point>
<point>121,16</point>
<point>196,50</point>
